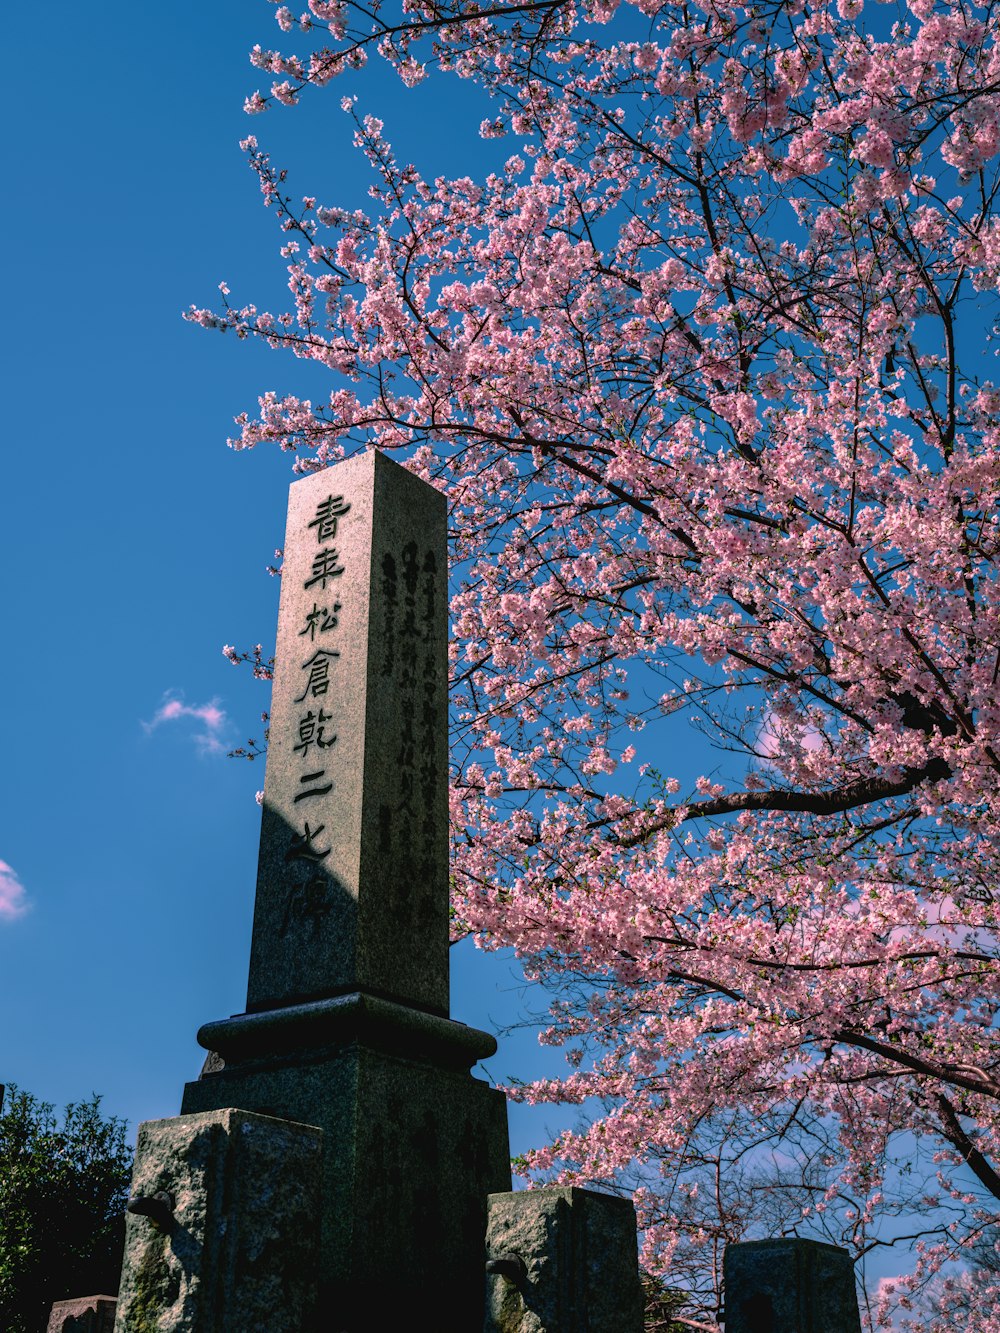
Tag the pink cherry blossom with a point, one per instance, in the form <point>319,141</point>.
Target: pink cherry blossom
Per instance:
<point>706,375</point>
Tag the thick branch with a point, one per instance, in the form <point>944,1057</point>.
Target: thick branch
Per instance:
<point>898,1055</point>
<point>958,1138</point>
<point>854,794</point>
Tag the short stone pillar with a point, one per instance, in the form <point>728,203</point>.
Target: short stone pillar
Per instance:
<point>562,1261</point>
<point>85,1314</point>
<point>789,1286</point>
<point>223,1227</point>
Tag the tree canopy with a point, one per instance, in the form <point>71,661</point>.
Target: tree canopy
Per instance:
<point>704,370</point>
<point>63,1189</point>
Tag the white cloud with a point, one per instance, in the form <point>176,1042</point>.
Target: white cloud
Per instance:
<point>776,735</point>
<point>211,718</point>
<point>13,898</point>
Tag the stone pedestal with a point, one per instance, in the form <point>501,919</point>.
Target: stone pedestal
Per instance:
<point>413,1145</point>
<point>789,1286</point>
<point>85,1314</point>
<point>562,1261</point>
<point>232,1243</point>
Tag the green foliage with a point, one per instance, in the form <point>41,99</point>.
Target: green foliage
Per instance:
<point>662,1305</point>
<point>63,1189</point>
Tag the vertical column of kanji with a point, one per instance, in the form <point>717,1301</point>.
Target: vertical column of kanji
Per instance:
<point>403,930</point>
<point>305,917</point>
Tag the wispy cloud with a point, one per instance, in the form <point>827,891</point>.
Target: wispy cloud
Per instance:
<point>211,721</point>
<point>13,898</point>
<point>776,735</point>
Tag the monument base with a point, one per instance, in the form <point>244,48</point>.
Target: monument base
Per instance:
<point>412,1147</point>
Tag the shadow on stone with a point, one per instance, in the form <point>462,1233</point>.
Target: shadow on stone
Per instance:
<point>85,1314</point>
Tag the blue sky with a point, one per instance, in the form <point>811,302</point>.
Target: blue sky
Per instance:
<point>136,542</point>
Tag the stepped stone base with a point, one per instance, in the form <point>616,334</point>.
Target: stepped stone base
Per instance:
<point>412,1147</point>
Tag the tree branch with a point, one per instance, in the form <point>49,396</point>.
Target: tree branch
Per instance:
<point>849,797</point>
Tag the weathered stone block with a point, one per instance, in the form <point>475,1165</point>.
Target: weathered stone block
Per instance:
<point>569,1263</point>
<point>85,1314</point>
<point>790,1286</point>
<point>411,1149</point>
<point>239,1252</point>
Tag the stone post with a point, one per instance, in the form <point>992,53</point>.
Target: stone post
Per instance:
<point>789,1286</point>
<point>562,1261</point>
<point>223,1227</point>
<point>84,1314</point>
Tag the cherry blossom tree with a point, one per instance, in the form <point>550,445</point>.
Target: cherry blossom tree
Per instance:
<point>969,1299</point>
<point>703,367</point>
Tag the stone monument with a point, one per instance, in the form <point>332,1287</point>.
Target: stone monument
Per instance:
<point>346,1026</point>
<point>331,1167</point>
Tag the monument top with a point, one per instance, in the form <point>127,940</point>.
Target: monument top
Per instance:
<point>352,887</point>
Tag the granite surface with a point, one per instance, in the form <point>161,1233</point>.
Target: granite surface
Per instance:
<point>238,1250</point>
<point>578,1256</point>
<point>411,1150</point>
<point>790,1286</point>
